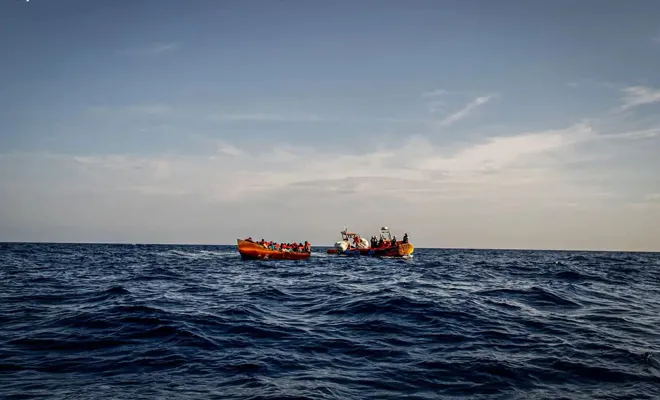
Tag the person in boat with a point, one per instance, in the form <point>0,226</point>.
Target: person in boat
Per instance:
<point>381,242</point>
<point>393,241</point>
<point>405,237</point>
<point>287,247</point>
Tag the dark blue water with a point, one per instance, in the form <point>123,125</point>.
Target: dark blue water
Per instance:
<point>196,322</point>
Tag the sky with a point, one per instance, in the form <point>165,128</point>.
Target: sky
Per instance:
<point>471,124</point>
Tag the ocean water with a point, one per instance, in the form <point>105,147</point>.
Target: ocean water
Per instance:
<point>196,322</point>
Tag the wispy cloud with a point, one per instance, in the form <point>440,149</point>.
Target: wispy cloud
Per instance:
<point>638,134</point>
<point>162,110</point>
<point>438,99</point>
<point>435,100</point>
<point>435,93</point>
<point>653,197</point>
<point>154,49</point>
<point>466,110</point>
<point>228,149</point>
<point>137,110</point>
<point>262,117</point>
<point>163,48</point>
<point>636,96</point>
<point>445,92</point>
<point>593,83</point>
<point>167,110</point>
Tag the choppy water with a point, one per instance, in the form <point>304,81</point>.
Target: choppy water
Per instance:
<point>171,322</point>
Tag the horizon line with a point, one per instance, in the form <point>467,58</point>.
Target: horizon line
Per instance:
<point>329,246</point>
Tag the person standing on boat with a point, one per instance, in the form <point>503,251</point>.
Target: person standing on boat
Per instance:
<point>405,237</point>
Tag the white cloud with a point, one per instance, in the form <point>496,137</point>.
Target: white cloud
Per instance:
<point>416,165</point>
<point>466,110</point>
<point>499,152</point>
<point>228,149</point>
<point>636,96</point>
<point>509,191</point>
<point>245,174</point>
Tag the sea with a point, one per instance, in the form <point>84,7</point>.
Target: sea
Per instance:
<point>107,321</point>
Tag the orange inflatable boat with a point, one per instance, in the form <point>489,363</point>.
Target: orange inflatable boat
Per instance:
<point>254,251</point>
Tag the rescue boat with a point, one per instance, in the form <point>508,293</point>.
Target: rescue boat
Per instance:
<point>254,251</point>
<point>354,245</point>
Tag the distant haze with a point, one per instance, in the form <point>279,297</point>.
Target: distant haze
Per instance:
<point>476,124</point>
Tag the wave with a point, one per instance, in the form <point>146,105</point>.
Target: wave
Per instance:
<point>81,321</point>
<point>534,296</point>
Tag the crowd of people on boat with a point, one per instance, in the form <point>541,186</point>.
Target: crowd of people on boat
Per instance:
<point>376,242</point>
<point>294,247</point>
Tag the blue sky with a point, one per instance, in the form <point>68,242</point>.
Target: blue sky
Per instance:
<point>465,123</point>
